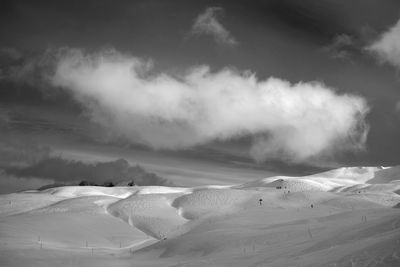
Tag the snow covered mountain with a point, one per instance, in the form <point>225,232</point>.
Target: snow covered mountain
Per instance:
<point>343,217</point>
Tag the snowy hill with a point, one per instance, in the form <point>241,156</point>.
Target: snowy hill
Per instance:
<point>343,217</point>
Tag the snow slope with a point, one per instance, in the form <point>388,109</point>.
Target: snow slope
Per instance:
<point>343,217</point>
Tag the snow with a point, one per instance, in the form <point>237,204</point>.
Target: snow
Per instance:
<point>151,213</point>
<point>76,191</point>
<point>162,190</point>
<point>343,217</point>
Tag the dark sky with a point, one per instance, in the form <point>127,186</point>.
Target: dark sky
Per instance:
<point>298,41</point>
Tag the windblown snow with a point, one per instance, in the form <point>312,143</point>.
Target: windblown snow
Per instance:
<point>343,217</point>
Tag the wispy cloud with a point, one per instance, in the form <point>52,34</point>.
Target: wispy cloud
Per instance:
<point>387,46</point>
<point>341,47</point>
<point>387,49</point>
<point>16,151</point>
<point>397,107</point>
<point>294,122</point>
<point>208,23</point>
<point>10,52</point>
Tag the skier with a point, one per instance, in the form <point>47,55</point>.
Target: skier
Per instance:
<point>260,200</point>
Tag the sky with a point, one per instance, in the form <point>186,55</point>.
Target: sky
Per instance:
<point>247,87</point>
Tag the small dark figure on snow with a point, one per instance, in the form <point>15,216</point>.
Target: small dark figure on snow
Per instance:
<point>312,206</point>
<point>260,200</point>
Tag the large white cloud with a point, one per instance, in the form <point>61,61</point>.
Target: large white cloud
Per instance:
<point>292,121</point>
<point>208,23</point>
<point>387,47</point>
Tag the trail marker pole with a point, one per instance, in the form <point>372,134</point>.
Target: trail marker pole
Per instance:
<point>309,232</point>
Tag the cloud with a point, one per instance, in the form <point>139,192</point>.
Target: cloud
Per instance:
<point>397,107</point>
<point>63,170</point>
<point>387,47</point>
<point>343,46</point>
<point>10,52</point>
<point>207,23</point>
<point>294,122</point>
<point>11,183</point>
<point>8,56</point>
<point>18,151</point>
<point>31,70</point>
